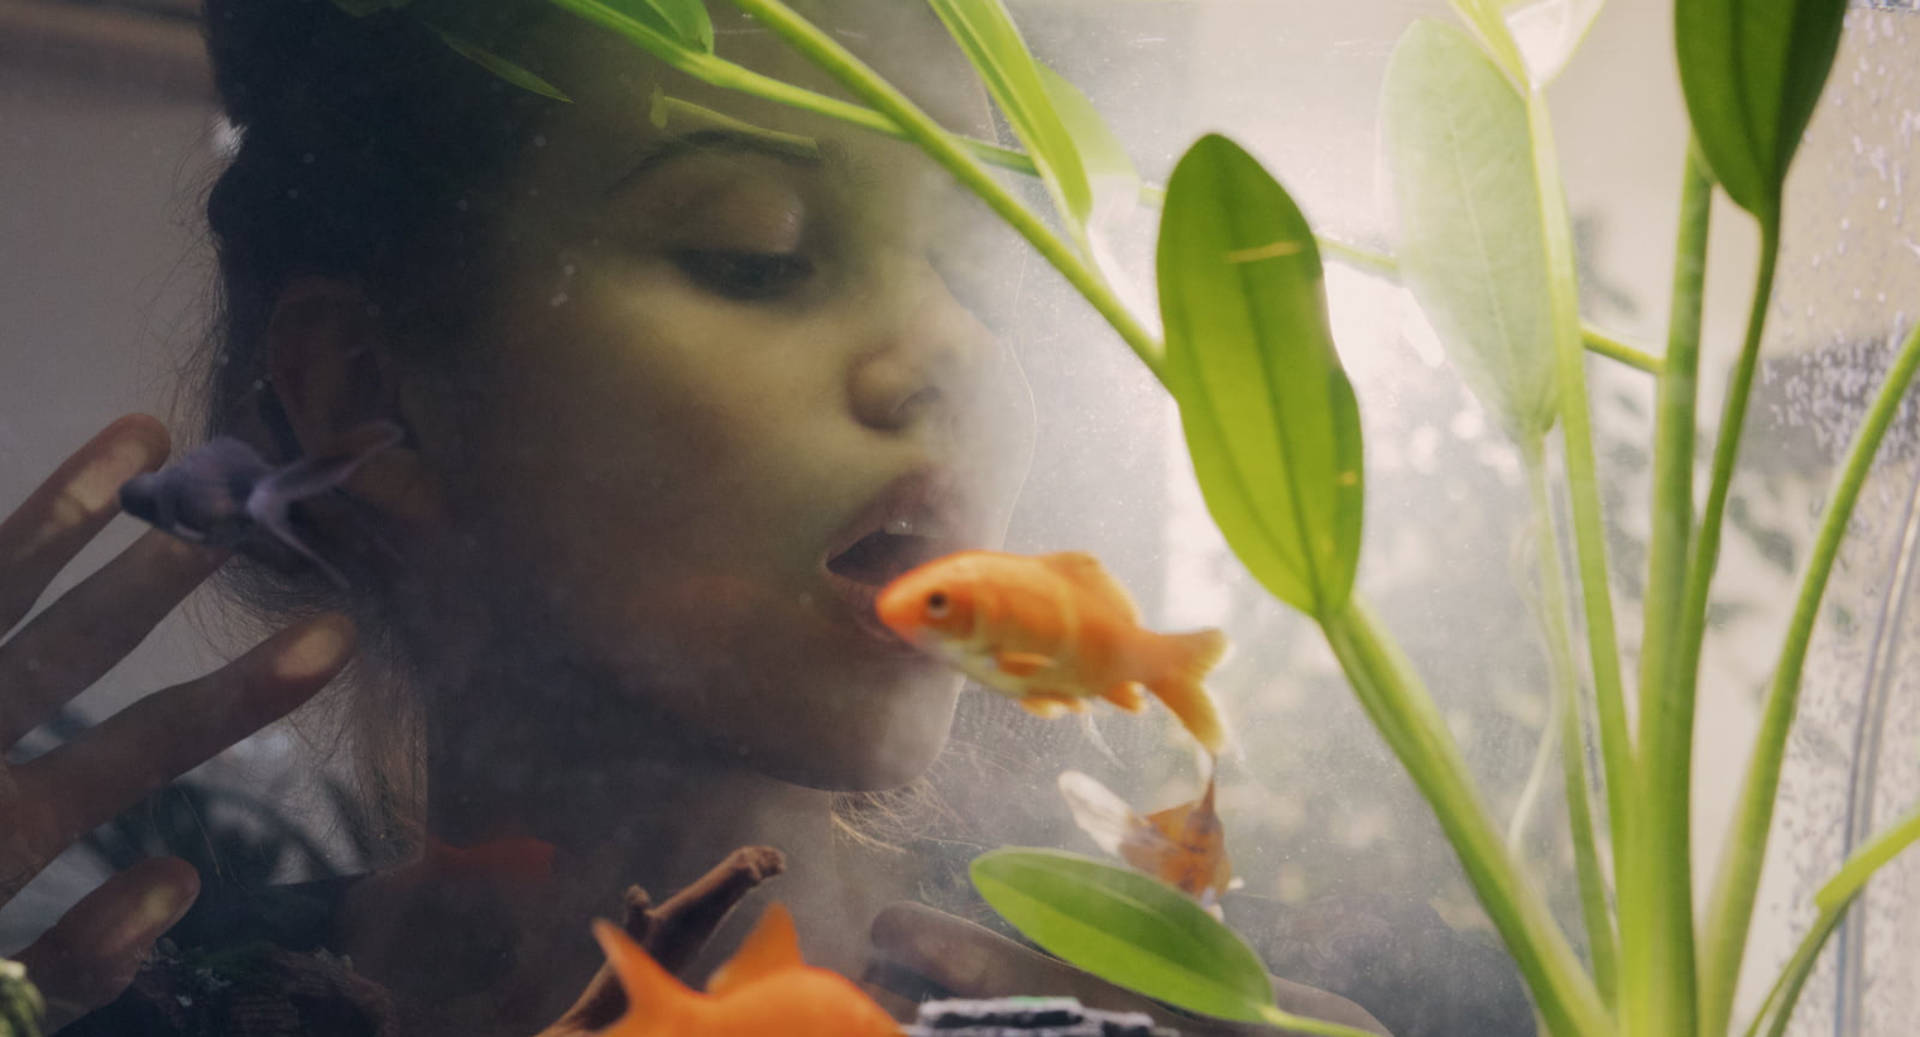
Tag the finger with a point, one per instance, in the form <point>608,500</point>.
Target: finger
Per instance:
<point>93,952</point>
<point>901,1008</point>
<point>75,640</point>
<point>59,517</point>
<point>169,732</point>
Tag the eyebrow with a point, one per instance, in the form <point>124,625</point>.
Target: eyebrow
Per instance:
<point>795,151</point>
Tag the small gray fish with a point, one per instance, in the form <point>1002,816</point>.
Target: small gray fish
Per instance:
<point>220,493</point>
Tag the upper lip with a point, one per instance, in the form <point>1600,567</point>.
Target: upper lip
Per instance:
<point>932,502</point>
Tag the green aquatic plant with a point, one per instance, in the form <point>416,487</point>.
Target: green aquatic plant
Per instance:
<point>22,1009</point>
<point>1273,428</point>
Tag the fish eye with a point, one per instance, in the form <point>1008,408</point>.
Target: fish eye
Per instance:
<point>937,604</point>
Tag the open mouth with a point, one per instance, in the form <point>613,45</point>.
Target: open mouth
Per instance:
<point>914,520</point>
<point>880,557</point>
<point>860,572</point>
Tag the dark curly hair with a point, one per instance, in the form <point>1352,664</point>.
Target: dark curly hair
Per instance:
<point>368,151</point>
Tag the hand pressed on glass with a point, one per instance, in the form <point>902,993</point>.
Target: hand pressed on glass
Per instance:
<point>91,954</point>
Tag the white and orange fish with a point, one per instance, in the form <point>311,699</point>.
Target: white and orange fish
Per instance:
<point>765,988</point>
<point>1184,846</point>
<point>1052,632</point>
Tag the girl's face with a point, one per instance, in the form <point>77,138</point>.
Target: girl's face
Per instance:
<point>730,391</point>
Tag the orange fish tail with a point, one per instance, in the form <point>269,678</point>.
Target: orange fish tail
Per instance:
<point>1181,661</point>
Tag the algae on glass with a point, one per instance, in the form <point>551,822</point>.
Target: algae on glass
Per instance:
<point>1272,425</point>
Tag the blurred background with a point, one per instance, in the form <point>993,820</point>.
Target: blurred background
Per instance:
<point>109,138</point>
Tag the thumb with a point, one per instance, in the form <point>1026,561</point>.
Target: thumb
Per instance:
<point>93,952</point>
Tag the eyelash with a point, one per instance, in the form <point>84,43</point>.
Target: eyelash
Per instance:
<point>745,276</point>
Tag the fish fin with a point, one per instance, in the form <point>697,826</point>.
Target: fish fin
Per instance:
<point>1042,704</point>
<point>1196,711</point>
<point>279,525</point>
<point>1098,810</point>
<point>771,947</point>
<point>1023,664</point>
<point>312,476</point>
<point>1095,738</point>
<point>1085,572</point>
<point>1195,652</point>
<point>1183,659</point>
<point>270,504</point>
<point>650,989</point>
<point>1127,695</point>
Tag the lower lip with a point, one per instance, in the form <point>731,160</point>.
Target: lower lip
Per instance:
<point>860,598</point>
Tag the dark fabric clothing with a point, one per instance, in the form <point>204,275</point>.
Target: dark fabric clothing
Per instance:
<point>250,963</point>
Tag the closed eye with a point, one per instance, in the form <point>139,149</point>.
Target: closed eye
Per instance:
<point>745,276</point>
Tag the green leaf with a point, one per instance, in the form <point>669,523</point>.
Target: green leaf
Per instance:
<point>1112,181</point>
<point>1547,32</point>
<point>1472,237</point>
<point>683,21</point>
<point>1488,20</point>
<point>1752,71</point>
<point>986,33</point>
<point>1270,418</point>
<point>22,1009</point>
<point>1126,928</point>
<point>664,28</point>
<point>499,66</point>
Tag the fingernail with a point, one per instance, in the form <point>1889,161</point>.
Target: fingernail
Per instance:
<point>318,649</point>
<point>156,910</point>
<point>98,485</point>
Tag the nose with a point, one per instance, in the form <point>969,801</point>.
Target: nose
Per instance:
<point>924,356</point>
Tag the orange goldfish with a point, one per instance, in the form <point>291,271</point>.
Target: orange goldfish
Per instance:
<point>1052,632</point>
<point>1184,846</point>
<point>765,988</point>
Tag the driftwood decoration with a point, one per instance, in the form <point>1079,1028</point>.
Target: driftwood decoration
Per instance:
<point>673,933</point>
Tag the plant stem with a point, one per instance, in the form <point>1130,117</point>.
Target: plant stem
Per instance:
<point>1833,901</point>
<point>717,71</point>
<point>1777,1009</point>
<point>1385,267</point>
<point>1403,711</point>
<point>939,145</point>
<point>1674,428</point>
<point>1867,860</point>
<point>1365,260</point>
<point>1666,723</point>
<point>1554,618</point>
<point>1730,911</point>
<point>1643,868</point>
<point>1529,798</point>
<point>1600,343</point>
<point>1583,483</point>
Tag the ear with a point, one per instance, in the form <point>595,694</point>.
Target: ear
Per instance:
<point>332,376</point>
